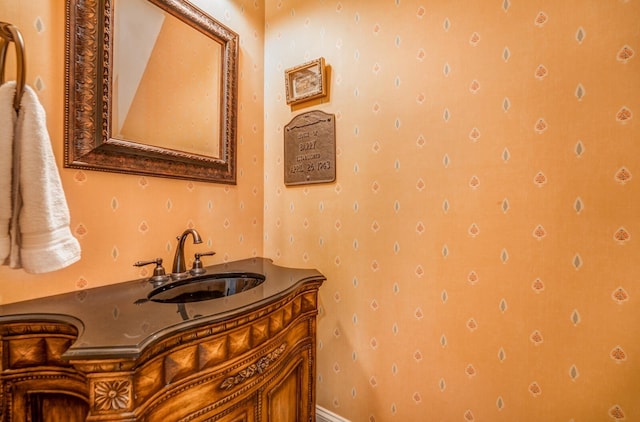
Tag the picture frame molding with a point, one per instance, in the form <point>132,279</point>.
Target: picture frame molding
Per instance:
<point>312,73</point>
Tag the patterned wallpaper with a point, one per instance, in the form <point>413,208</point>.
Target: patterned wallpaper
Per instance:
<point>481,240</point>
<point>120,219</point>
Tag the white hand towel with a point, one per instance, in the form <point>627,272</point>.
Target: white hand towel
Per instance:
<point>7,123</point>
<point>45,240</point>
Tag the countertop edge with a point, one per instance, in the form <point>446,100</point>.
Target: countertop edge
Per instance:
<point>44,317</point>
<point>64,309</point>
<point>132,353</point>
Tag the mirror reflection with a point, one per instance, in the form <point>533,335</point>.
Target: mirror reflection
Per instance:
<point>158,65</point>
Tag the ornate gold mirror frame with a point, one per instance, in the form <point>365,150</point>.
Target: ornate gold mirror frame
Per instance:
<point>89,92</point>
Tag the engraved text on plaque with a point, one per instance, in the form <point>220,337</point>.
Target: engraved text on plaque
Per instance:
<point>310,149</point>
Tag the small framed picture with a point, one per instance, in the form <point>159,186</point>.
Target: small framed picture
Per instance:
<point>306,81</point>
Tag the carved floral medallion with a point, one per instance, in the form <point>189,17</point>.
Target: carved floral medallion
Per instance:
<point>112,395</point>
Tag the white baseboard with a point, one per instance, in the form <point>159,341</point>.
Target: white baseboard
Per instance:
<point>323,415</point>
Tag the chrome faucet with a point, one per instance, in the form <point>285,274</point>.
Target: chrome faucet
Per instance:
<point>179,266</point>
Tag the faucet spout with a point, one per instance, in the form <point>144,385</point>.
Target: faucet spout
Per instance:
<point>179,267</point>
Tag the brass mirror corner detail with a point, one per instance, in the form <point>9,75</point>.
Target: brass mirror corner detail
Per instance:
<point>93,116</point>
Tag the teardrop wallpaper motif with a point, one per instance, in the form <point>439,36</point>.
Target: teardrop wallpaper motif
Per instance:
<point>120,219</point>
<point>481,239</point>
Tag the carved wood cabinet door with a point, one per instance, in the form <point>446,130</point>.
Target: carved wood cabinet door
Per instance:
<point>282,396</point>
<point>36,384</point>
<point>56,407</point>
<point>287,398</point>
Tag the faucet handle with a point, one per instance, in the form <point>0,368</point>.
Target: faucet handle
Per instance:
<point>197,267</point>
<point>159,274</point>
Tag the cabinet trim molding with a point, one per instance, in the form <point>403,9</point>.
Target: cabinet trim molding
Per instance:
<point>254,369</point>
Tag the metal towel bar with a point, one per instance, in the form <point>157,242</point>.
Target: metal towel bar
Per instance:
<point>9,33</point>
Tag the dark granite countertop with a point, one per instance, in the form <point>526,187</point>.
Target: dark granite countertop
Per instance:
<point>117,321</point>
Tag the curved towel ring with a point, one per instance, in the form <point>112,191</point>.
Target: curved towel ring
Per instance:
<point>9,33</point>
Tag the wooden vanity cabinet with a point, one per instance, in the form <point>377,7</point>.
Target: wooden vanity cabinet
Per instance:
<point>255,365</point>
<point>36,384</point>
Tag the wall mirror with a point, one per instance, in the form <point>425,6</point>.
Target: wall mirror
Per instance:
<point>151,89</point>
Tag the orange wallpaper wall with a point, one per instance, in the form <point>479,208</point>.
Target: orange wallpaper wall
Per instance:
<point>481,241</point>
<point>120,219</point>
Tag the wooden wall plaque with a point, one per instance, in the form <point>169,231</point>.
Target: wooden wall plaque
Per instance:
<point>310,149</point>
